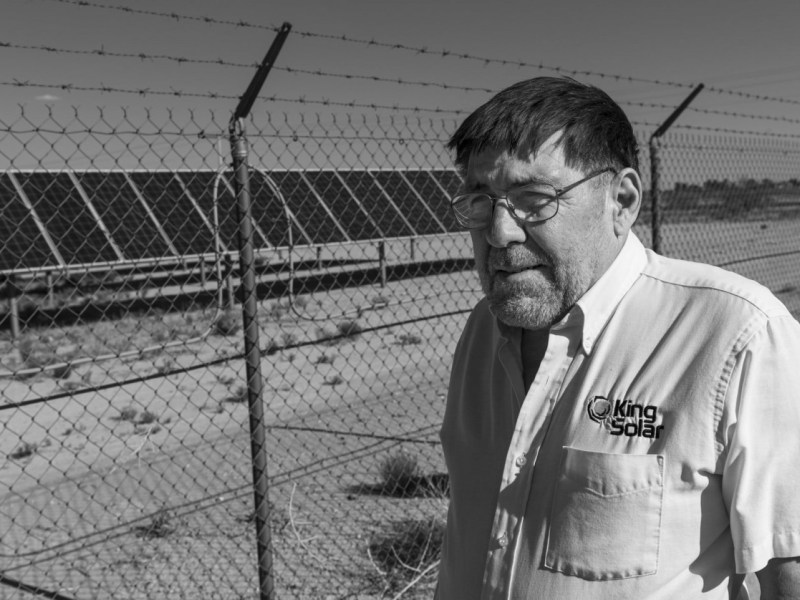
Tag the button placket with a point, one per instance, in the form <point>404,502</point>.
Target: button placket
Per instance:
<point>536,409</point>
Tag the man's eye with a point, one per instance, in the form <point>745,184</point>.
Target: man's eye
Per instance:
<point>531,198</point>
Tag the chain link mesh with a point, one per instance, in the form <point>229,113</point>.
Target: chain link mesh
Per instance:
<point>125,464</point>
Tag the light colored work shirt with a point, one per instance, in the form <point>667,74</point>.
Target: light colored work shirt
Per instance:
<point>655,454</point>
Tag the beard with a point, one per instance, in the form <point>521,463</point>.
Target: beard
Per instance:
<point>532,303</point>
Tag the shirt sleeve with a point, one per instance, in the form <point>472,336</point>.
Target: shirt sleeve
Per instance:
<point>761,476</point>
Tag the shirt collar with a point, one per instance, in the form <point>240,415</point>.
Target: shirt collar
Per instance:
<point>601,300</point>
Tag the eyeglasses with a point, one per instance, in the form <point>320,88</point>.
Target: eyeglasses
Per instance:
<point>532,203</point>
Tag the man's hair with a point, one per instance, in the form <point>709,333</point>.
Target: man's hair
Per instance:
<point>597,133</point>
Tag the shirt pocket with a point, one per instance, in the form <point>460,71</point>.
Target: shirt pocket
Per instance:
<point>606,517</point>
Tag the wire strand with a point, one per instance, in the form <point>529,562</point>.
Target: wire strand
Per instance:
<point>69,87</point>
<point>443,53</point>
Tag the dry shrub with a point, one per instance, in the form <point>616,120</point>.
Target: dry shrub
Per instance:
<point>227,323</point>
<point>161,525</point>
<point>24,450</point>
<point>324,359</point>
<point>400,473</point>
<point>408,548</point>
<point>238,395</point>
<point>349,329</point>
<point>127,414</point>
<point>408,339</point>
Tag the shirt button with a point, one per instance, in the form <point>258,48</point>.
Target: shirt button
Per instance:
<point>521,460</point>
<point>502,540</point>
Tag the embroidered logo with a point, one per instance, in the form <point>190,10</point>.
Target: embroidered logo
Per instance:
<point>599,409</point>
<point>625,417</point>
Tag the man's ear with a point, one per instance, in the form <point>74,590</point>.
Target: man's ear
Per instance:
<point>627,199</point>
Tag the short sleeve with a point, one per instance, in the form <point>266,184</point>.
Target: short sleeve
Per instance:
<point>761,477</point>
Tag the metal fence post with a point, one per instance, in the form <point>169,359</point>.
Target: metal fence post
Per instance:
<point>255,382</point>
<point>13,307</point>
<point>249,298</point>
<point>230,296</point>
<point>655,216</point>
<point>382,262</point>
<point>655,164</point>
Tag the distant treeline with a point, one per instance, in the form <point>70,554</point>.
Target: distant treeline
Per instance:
<point>717,199</point>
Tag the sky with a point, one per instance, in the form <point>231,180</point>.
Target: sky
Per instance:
<point>737,46</point>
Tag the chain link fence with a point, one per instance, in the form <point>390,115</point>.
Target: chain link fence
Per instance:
<point>125,462</point>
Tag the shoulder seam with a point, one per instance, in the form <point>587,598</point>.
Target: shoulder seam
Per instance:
<point>760,309</point>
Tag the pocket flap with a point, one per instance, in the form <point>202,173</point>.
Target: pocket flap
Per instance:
<point>613,474</point>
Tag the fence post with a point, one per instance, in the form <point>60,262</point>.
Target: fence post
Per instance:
<point>655,216</point>
<point>255,381</point>
<point>229,293</point>
<point>13,307</point>
<point>247,286</point>
<point>655,164</point>
<point>49,284</point>
<point>382,261</point>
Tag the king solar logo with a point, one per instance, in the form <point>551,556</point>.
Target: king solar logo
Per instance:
<point>599,408</point>
<point>625,417</point>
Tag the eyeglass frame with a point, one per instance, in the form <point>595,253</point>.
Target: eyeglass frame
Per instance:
<point>559,192</point>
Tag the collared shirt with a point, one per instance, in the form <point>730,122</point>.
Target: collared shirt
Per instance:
<point>654,455</point>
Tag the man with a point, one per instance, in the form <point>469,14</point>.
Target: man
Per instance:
<point>618,424</point>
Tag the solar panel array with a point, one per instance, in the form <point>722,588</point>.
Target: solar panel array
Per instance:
<point>82,217</point>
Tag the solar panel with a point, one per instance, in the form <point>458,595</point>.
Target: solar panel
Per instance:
<point>201,186</point>
<point>308,210</point>
<point>366,190</point>
<point>423,183</point>
<point>124,216</point>
<point>407,202</point>
<point>23,246</point>
<point>332,191</point>
<point>72,227</point>
<point>268,213</point>
<point>175,211</point>
<point>449,180</point>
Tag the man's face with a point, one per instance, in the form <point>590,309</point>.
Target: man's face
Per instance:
<point>533,275</point>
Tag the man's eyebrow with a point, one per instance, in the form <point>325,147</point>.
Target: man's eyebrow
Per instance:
<point>513,182</point>
<point>530,180</point>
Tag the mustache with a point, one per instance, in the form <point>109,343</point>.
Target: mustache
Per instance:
<point>516,256</point>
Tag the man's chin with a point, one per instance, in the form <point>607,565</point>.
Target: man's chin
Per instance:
<point>526,312</point>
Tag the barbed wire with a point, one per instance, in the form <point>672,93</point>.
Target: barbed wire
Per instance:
<point>443,53</point>
<point>350,76</point>
<point>204,134</point>
<point>705,146</point>
<point>170,15</point>
<point>396,80</point>
<point>351,104</point>
<point>226,63</point>
<point>69,87</point>
<point>140,55</point>
<point>709,111</point>
<point>738,131</point>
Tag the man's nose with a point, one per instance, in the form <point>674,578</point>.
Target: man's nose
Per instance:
<point>504,229</point>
